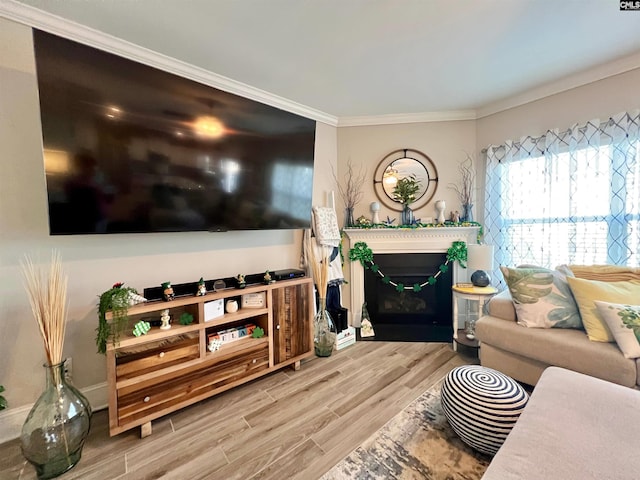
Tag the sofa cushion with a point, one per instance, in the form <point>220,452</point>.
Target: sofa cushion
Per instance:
<point>501,306</point>
<point>574,427</point>
<point>587,291</point>
<point>542,298</point>
<point>624,323</point>
<point>566,348</point>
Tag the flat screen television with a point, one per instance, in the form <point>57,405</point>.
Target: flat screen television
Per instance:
<point>129,148</point>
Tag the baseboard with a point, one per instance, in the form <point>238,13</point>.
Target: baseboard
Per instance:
<point>12,419</point>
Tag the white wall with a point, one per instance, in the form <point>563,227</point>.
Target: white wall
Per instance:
<point>445,143</point>
<point>600,99</point>
<point>596,100</point>
<point>94,263</point>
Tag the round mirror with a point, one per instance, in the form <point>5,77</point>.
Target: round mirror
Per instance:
<point>401,164</point>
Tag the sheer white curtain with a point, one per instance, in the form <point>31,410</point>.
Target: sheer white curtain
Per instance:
<point>567,197</point>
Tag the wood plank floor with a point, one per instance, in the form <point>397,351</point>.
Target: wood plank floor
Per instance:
<point>288,425</point>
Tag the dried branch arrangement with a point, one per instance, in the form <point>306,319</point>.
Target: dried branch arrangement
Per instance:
<point>351,191</point>
<point>467,179</point>
<point>48,297</point>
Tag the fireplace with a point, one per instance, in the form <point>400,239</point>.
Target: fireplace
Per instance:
<point>409,256</point>
<point>408,316</point>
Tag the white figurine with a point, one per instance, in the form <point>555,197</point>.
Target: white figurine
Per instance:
<point>375,208</point>
<point>232,306</point>
<point>166,319</point>
<point>440,206</point>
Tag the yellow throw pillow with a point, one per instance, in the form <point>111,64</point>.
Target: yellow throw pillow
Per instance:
<point>586,292</point>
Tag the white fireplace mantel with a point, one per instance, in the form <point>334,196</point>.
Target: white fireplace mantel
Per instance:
<point>401,240</point>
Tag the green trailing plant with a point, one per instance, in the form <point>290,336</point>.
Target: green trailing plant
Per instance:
<point>406,189</point>
<point>116,300</point>
<point>3,401</point>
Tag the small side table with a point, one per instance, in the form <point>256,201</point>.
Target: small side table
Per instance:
<point>478,294</point>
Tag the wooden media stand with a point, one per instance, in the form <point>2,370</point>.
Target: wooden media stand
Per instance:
<point>165,370</point>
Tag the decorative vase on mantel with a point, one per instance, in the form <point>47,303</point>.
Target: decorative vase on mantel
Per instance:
<point>57,426</point>
<point>324,331</point>
<point>407,216</point>
<point>467,212</point>
<point>348,218</point>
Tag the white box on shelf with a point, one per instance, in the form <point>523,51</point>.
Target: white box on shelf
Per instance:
<point>253,300</point>
<point>345,338</point>
<point>213,309</point>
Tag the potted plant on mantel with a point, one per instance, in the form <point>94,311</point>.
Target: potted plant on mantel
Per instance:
<point>405,193</point>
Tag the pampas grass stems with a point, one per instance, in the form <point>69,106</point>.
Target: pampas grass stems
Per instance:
<point>48,299</point>
<point>319,267</point>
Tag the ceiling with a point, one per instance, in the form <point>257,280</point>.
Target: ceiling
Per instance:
<point>359,58</point>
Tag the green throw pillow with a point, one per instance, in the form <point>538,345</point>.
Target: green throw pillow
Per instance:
<point>624,323</point>
<point>542,298</point>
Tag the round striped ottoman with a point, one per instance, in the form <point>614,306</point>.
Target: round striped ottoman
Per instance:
<point>482,405</point>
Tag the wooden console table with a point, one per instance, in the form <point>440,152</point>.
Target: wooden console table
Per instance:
<point>151,375</point>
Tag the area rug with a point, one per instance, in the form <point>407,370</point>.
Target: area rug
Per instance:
<point>418,443</point>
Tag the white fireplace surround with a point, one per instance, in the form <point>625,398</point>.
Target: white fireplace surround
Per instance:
<point>401,240</point>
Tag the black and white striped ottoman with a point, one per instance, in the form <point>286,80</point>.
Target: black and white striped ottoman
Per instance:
<point>482,405</point>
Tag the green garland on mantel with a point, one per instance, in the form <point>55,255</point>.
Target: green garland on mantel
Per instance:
<point>456,253</point>
<point>367,225</point>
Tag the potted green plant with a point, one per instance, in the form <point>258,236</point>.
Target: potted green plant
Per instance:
<point>117,300</point>
<point>405,193</point>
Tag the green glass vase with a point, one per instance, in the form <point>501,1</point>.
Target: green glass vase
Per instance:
<point>57,426</point>
<point>324,335</point>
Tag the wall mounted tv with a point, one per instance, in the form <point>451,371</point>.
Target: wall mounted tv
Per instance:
<point>129,148</point>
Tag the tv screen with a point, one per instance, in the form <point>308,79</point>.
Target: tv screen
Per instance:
<point>129,148</point>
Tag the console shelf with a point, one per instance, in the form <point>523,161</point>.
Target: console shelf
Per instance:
<point>165,370</point>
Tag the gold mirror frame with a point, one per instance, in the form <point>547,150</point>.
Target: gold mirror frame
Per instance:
<point>403,163</point>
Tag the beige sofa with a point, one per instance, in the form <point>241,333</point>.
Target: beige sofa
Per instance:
<point>574,427</point>
<point>524,353</point>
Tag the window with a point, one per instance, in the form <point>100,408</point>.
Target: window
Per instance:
<point>567,198</point>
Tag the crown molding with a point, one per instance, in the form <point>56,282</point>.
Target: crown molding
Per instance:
<point>600,72</point>
<point>33,17</point>
<point>454,115</point>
